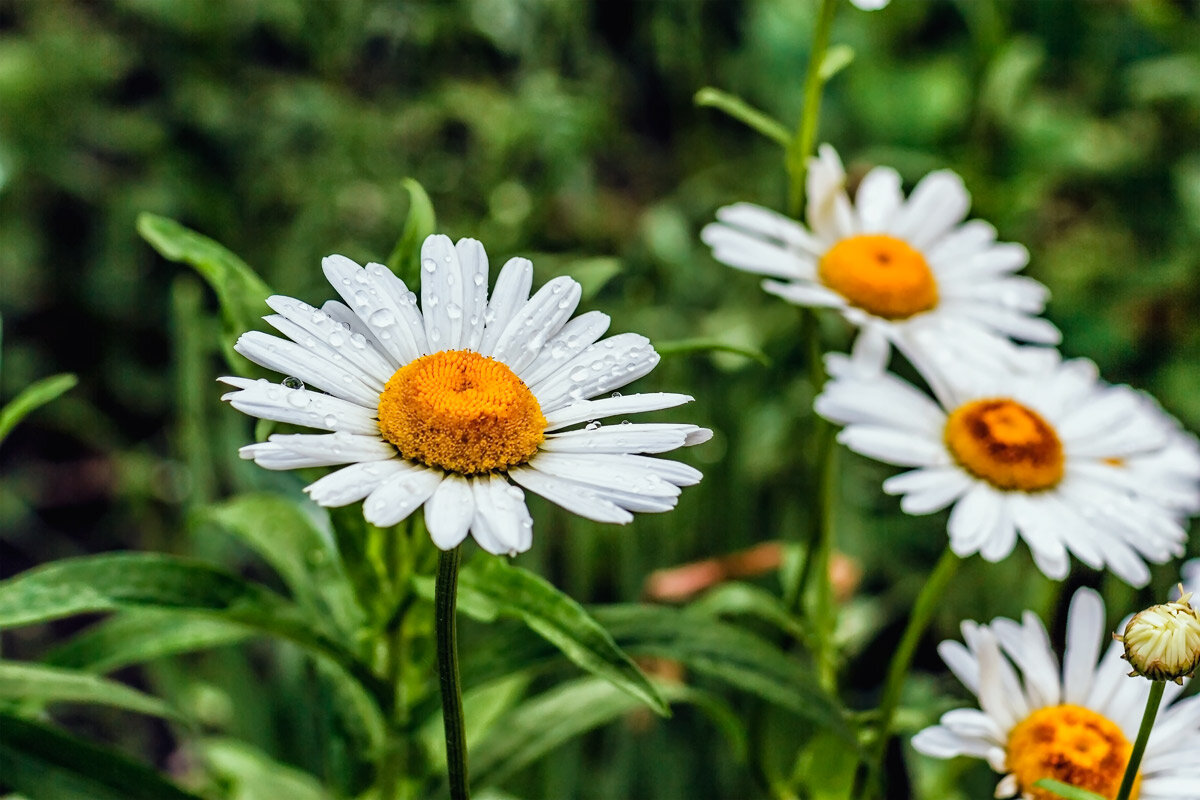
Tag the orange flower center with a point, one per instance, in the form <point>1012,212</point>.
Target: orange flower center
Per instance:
<point>462,412</point>
<point>880,274</point>
<point>1070,744</point>
<point>1006,444</point>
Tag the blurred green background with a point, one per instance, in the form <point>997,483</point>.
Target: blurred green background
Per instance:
<point>562,130</point>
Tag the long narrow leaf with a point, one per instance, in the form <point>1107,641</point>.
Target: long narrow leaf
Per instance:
<point>41,762</point>
<point>137,635</point>
<point>405,259</point>
<point>48,685</point>
<point>138,580</point>
<point>559,620</point>
<point>33,397</point>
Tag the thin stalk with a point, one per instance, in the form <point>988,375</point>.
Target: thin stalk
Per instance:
<point>445,600</point>
<point>806,131</point>
<point>926,603</point>
<point>1139,747</point>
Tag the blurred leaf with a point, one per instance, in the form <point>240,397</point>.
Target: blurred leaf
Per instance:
<point>47,685</point>
<point>251,774</point>
<point>685,346</point>
<point>33,397</point>
<point>125,580</point>
<point>743,112</point>
<point>43,763</point>
<point>549,720</point>
<point>559,620</point>
<point>405,259</point>
<point>277,529</point>
<point>746,599</point>
<point>825,768</point>
<point>137,635</point>
<point>1066,790</point>
<point>593,274</point>
<point>240,292</point>
<point>836,59</point>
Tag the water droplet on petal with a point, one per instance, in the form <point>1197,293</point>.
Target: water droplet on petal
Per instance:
<point>298,399</point>
<point>330,420</point>
<point>454,311</point>
<point>591,426</point>
<point>382,318</point>
<point>479,279</point>
<point>318,317</point>
<point>336,339</point>
<point>578,374</point>
<point>292,383</point>
<point>429,264</point>
<point>616,394</point>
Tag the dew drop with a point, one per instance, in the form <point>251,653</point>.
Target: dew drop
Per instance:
<point>360,298</point>
<point>447,258</point>
<point>454,311</point>
<point>435,335</point>
<point>298,399</point>
<point>382,318</point>
<point>292,383</point>
<point>337,339</point>
<point>429,264</point>
<point>319,316</point>
<point>330,420</point>
<point>578,374</point>
<point>616,394</point>
<point>626,422</point>
<point>591,426</point>
<point>478,279</point>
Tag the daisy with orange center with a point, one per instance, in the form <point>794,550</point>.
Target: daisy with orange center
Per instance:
<point>1042,450</point>
<point>906,271</point>
<point>1076,727</point>
<point>459,402</point>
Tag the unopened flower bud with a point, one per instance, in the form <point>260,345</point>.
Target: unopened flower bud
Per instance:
<point>1162,643</point>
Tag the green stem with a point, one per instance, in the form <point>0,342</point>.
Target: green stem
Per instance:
<point>1139,747</point>
<point>923,609</point>
<point>806,131</point>
<point>445,599</point>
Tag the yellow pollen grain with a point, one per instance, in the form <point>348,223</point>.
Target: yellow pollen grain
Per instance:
<point>1070,744</point>
<point>462,412</point>
<point>1006,444</point>
<point>880,274</point>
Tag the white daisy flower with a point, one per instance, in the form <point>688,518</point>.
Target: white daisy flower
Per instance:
<point>894,268</point>
<point>1051,454</point>
<point>451,404</point>
<point>1077,727</point>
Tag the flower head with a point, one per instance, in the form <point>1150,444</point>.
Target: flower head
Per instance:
<point>895,268</point>
<point>1077,726</point>
<point>1162,643</point>
<point>1049,453</point>
<point>457,403</point>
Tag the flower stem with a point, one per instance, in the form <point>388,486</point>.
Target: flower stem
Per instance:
<point>806,131</point>
<point>445,600</point>
<point>918,621</point>
<point>1139,747</point>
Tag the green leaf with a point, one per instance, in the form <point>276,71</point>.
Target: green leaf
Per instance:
<point>683,346</point>
<point>137,635</point>
<point>836,59</point>
<point>279,530</point>
<point>405,259</point>
<point>1066,790</point>
<point>43,763</point>
<point>251,774</point>
<point>593,273</point>
<point>746,599</point>
<point>34,396</point>
<point>47,685</point>
<point>113,582</point>
<point>569,710</point>
<point>725,653</point>
<point>743,112</point>
<point>558,619</point>
<point>241,293</point>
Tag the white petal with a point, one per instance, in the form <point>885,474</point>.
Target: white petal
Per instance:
<point>537,322</point>
<point>878,199</point>
<point>751,253</point>
<point>937,204</point>
<point>770,225</point>
<point>292,451</point>
<point>474,261</point>
<point>510,293</point>
<point>502,524</point>
<point>809,295</point>
<point>602,367</point>
<point>569,342</point>
<point>400,495</point>
<point>1085,631</point>
<point>383,303</point>
<point>291,359</point>
<point>442,296</point>
<point>891,446</point>
<point>586,410</point>
<point>449,511</point>
<point>606,473</point>
<point>353,483</point>
<point>337,335</point>
<point>266,400</point>
<point>571,496</point>
<point>653,437</point>
<point>972,519</point>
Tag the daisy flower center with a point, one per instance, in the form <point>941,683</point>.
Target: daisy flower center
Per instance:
<point>882,275</point>
<point>1006,444</point>
<point>1071,744</point>
<point>462,412</point>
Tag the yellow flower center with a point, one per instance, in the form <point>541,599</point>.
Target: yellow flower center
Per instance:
<point>880,274</point>
<point>1006,444</point>
<point>462,412</point>
<point>1071,744</point>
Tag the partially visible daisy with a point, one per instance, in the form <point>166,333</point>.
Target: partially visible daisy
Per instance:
<point>1076,727</point>
<point>451,404</point>
<point>892,267</point>
<point>870,5</point>
<point>1049,453</point>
